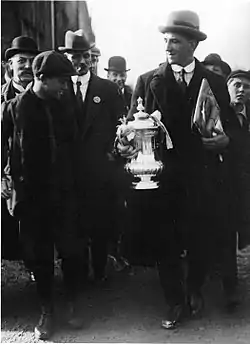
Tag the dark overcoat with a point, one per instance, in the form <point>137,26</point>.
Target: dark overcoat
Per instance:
<point>188,167</point>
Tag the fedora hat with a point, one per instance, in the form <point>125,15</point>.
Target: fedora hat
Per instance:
<point>95,51</point>
<point>76,41</point>
<point>21,44</point>
<point>186,22</point>
<point>215,60</point>
<point>117,64</point>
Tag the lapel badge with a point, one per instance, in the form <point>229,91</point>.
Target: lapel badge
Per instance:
<point>97,99</point>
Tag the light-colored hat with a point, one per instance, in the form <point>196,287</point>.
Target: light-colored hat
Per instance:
<point>75,41</point>
<point>186,22</point>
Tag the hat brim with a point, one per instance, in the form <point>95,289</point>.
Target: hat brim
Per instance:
<point>116,70</point>
<point>12,51</point>
<point>199,35</point>
<point>70,50</point>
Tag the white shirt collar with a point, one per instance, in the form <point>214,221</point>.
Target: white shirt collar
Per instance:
<point>18,86</point>
<point>188,69</point>
<point>84,79</point>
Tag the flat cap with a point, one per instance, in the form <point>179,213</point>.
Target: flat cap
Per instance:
<point>239,73</point>
<point>52,64</point>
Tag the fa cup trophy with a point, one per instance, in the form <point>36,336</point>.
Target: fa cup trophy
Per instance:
<point>143,133</point>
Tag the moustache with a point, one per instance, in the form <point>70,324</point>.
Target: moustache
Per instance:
<point>26,71</point>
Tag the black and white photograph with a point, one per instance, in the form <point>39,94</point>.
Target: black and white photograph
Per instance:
<point>125,171</point>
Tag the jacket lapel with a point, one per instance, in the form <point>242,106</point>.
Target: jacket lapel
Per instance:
<point>167,93</point>
<point>93,102</point>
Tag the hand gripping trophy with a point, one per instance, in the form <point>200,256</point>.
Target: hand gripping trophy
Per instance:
<point>145,134</point>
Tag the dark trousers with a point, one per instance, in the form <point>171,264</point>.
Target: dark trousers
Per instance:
<point>49,220</point>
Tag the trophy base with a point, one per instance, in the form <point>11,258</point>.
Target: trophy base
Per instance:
<point>145,183</point>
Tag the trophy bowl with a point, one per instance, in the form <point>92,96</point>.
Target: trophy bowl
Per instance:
<point>145,165</point>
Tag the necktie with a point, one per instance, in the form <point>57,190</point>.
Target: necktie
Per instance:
<point>243,121</point>
<point>79,93</point>
<point>182,81</point>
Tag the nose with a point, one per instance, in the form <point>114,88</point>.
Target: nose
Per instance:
<point>28,63</point>
<point>168,46</point>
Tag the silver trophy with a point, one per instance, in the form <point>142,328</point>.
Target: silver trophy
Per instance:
<point>143,134</point>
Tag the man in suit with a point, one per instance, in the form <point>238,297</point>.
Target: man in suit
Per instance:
<point>117,72</point>
<point>178,211</point>
<point>18,59</point>
<point>43,168</point>
<point>99,106</point>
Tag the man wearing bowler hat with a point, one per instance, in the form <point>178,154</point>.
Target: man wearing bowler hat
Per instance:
<point>18,60</point>
<point>43,166</point>
<point>214,63</point>
<point>98,107</point>
<point>19,57</point>
<point>177,211</point>
<point>117,72</point>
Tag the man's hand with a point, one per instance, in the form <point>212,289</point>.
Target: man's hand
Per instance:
<point>217,143</point>
<point>126,151</point>
<point>6,190</point>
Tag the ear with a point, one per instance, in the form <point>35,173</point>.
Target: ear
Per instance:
<point>10,63</point>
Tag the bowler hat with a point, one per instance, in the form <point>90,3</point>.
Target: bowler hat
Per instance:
<point>117,64</point>
<point>239,73</point>
<point>21,44</point>
<point>76,41</point>
<point>52,64</point>
<point>215,60</point>
<point>186,22</point>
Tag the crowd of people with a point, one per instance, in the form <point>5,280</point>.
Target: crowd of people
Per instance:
<point>64,184</point>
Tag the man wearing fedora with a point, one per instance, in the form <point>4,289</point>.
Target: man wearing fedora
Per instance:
<point>214,63</point>
<point>117,72</point>
<point>177,211</point>
<point>98,108</point>
<point>43,166</point>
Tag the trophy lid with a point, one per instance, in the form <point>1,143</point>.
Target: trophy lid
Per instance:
<point>142,119</point>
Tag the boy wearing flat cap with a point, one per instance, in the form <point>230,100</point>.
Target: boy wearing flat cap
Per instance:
<point>42,165</point>
<point>178,209</point>
<point>98,108</point>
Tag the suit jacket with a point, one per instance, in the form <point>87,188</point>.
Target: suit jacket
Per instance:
<point>160,91</point>
<point>7,91</point>
<point>97,121</point>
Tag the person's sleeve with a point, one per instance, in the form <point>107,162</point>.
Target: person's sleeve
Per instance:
<point>6,133</point>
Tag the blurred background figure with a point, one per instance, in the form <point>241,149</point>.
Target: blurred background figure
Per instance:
<point>214,63</point>
<point>95,53</point>
<point>117,72</point>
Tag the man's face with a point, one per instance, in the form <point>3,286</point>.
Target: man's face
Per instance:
<point>118,77</point>
<point>21,66</point>
<point>215,69</point>
<point>81,61</point>
<point>94,63</point>
<point>239,90</point>
<point>55,87</point>
<point>179,49</point>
